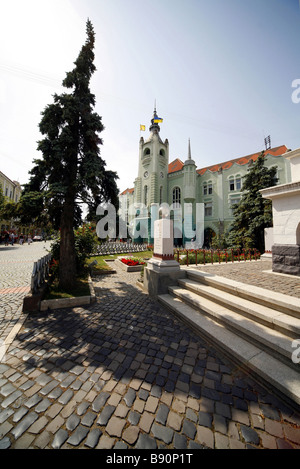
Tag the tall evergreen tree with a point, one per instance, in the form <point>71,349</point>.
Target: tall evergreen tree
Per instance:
<point>254,213</point>
<point>71,171</point>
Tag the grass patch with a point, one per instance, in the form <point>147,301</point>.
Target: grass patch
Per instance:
<point>81,289</point>
<point>102,265</point>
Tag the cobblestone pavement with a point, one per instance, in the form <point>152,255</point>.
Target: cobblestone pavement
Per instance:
<point>125,373</point>
<point>16,263</point>
<point>258,273</point>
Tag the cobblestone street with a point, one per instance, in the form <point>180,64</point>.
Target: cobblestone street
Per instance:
<point>16,263</point>
<point>124,373</point>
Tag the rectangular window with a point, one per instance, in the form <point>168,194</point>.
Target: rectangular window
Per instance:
<point>238,184</point>
<point>209,188</point>
<point>208,209</point>
<point>231,185</point>
<point>233,202</point>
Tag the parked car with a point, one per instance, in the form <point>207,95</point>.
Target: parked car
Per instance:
<point>38,238</point>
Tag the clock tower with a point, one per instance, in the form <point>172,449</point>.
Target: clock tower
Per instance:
<point>150,186</point>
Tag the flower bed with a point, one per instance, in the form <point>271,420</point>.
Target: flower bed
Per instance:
<point>131,264</point>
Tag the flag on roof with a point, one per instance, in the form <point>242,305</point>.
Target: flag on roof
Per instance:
<point>157,119</point>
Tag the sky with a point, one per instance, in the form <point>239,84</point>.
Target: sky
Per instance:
<point>223,73</point>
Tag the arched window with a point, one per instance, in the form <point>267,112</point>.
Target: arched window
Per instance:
<point>238,183</point>
<point>147,151</point>
<point>207,188</point>
<point>162,152</point>
<point>177,196</point>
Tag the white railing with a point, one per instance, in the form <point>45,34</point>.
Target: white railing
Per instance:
<point>40,272</point>
<point>119,248</point>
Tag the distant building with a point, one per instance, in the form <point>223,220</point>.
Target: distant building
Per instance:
<point>217,187</point>
<point>11,189</point>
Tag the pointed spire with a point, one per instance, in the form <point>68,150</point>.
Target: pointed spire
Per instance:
<point>189,150</point>
<point>189,160</point>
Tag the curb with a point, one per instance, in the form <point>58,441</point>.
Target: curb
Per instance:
<point>70,302</point>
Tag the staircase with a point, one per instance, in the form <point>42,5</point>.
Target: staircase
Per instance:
<point>253,326</point>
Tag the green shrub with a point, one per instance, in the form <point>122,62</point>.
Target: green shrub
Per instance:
<point>86,242</point>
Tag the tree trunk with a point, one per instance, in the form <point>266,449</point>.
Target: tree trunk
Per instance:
<point>67,263</point>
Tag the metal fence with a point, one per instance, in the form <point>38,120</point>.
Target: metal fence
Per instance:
<point>211,256</point>
<point>120,248</point>
<point>40,272</point>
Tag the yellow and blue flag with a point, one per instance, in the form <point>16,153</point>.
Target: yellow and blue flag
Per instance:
<point>142,127</point>
<point>157,119</point>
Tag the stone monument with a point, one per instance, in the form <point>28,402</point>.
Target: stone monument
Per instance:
<point>162,270</point>
<point>286,219</point>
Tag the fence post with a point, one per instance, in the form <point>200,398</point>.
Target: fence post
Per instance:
<point>196,257</point>
<point>204,256</point>
<point>187,258</point>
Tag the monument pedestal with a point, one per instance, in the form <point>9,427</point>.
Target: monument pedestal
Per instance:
<point>162,270</point>
<point>286,219</point>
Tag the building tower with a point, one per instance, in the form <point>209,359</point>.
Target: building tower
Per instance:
<point>150,186</point>
<point>189,196</point>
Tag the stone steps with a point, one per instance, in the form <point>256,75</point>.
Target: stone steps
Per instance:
<point>242,322</point>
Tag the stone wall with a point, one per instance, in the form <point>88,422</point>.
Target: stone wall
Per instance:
<point>286,259</point>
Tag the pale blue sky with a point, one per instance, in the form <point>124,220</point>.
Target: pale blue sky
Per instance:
<point>221,72</point>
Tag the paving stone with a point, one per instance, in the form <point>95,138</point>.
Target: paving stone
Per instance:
<point>162,414</point>
<point>5,443</point>
<point>130,435</point>
<point>146,442</point>
<point>7,389</point>
<point>205,436</point>
<point>43,406</point>
<point>72,422</point>
<point>81,409</point>
<point>66,397</point>
<point>180,441</point>
<point>100,401</point>
<point>105,415</point>
<point>93,438</point>
<point>130,397</point>
<point>38,425</point>
<point>60,438</point>
<point>120,445</point>
<point>189,429</point>
<point>24,425</point>
<point>134,418</point>
<point>88,419</point>
<point>49,387</point>
<point>115,426</point>
<point>33,401</point>
<point>78,436</point>
<point>11,399</point>
<point>162,433</point>
<point>5,414</point>
<point>55,393</point>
